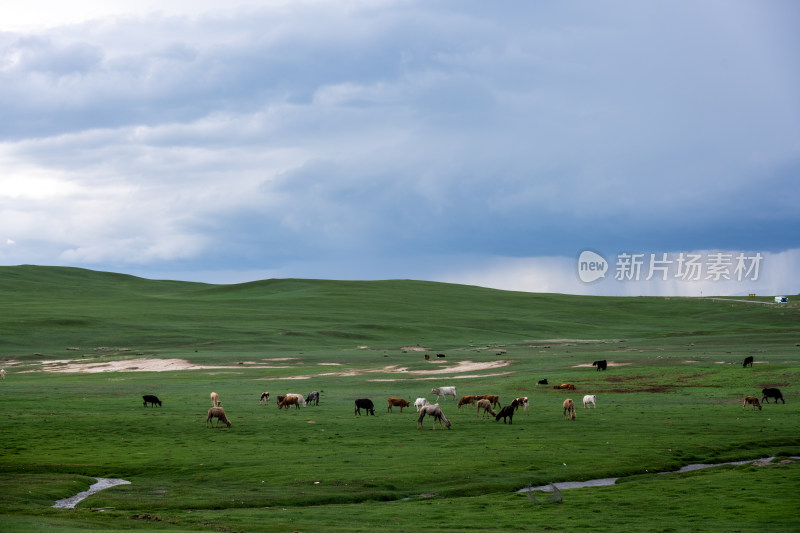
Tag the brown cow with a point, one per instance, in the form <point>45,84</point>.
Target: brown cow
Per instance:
<point>397,402</point>
<point>569,409</point>
<point>289,400</point>
<point>565,386</point>
<point>751,400</point>
<point>493,398</point>
<point>466,400</point>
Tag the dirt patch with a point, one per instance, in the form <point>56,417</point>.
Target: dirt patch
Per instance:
<point>458,368</point>
<point>415,349</point>
<point>610,363</point>
<point>135,365</point>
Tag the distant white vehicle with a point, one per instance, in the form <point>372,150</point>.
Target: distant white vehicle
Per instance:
<point>781,299</point>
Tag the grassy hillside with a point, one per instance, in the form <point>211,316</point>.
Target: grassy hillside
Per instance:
<point>672,396</point>
<point>44,310</point>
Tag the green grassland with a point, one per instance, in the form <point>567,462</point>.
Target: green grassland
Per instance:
<point>671,397</point>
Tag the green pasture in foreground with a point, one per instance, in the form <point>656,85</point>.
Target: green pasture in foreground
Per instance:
<point>672,397</point>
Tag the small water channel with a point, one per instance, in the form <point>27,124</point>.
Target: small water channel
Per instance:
<point>602,482</point>
<point>102,483</point>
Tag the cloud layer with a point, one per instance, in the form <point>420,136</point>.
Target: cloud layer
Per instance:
<point>369,140</point>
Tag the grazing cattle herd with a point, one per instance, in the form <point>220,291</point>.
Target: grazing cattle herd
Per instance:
<point>483,402</point>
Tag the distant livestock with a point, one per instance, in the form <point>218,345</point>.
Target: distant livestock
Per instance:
<point>569,409</point>
<point>543,382</point>
<point>152,400</point>
<point>507,412</point>
<point>419,402</point>
<point>365,403</point>
<point>444,391</point>
<point>289,400</point>
<point>264,398</point>
<point>748,361</point>
<point>565,386</point>
<point>219,414</point>
<point>751,400</point>
<point>466,400</point>
<point>771,393</point>
<point>215,400</point>
<point>3,373</point>
<point>522,401</point>
<point>312,398</point>
<point>440,355</point>
<point>493,398</point>
<point>427,357</point>
<point>486,405</point>
<point>601,365</point>
<point>397,402</point>
<point>589,399</point>
<point>436,412</point>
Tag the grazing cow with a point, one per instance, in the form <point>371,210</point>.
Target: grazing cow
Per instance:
<point>365,403</point>
<point>590,399</point>
<point>151,399</point>
<point>466,400</point>
<point>301,400</point>
<point>444,391</point>
<point>219,414</point>
<point>427,357</point>
<point>264,398</point>
<point>280,398</point>
<point>215,400</point>
<point>771,393</point>
<point>397,402</point>
<point>601,365</point>
<point>289,400</point>
<point>523,401</point>
<point>507,411</point>
<point>565,386</point>
<point>543,382</point>
<point>436,412</point>
<point>493,398</point>
<point>486,405</point>
<point>313,397</point>
<point>751,400</point>
<point>420,402</point>
<point>569,409</point>
<point>748,361</point>
<point>440,355</point>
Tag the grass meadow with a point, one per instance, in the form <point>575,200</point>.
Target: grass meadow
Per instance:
<point>672,396</point>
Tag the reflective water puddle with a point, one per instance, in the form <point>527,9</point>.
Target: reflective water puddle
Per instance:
<point>102,483</point>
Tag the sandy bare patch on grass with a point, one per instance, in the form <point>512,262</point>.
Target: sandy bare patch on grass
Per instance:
<point>415,349</point>
<point>135,365</point>
<point>610,363</point>
<point>458,368</point>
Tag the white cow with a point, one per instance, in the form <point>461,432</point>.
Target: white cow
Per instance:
<point>444,391</point>
<point>420,403</point>
<point>590,399</point>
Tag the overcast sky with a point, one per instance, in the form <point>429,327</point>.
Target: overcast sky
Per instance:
<point>487,143</point>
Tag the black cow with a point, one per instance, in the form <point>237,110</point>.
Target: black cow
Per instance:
<point>149,398</point>
<point>507,411</point>
<point>440,355</point>
<point>543,381</point>
<point>313,396</point>
<point>748,361</point>
<point>771,393</point>
<point>601,365</point>
<point>365,403</point>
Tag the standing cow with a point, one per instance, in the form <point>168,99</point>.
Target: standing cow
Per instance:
<point>601,365</point>
<point>771,393</point>
<point>444,391</point>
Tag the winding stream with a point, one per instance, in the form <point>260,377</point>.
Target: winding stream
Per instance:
<point>102,483</point>
<point>602,482</point>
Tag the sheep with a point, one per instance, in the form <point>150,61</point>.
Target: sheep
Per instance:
<point>219,414</point>
<point>486,405</point>
<point>215,400</point>
<point>569,409</point>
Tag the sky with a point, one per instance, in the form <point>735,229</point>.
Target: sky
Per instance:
<point>516,145</point>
